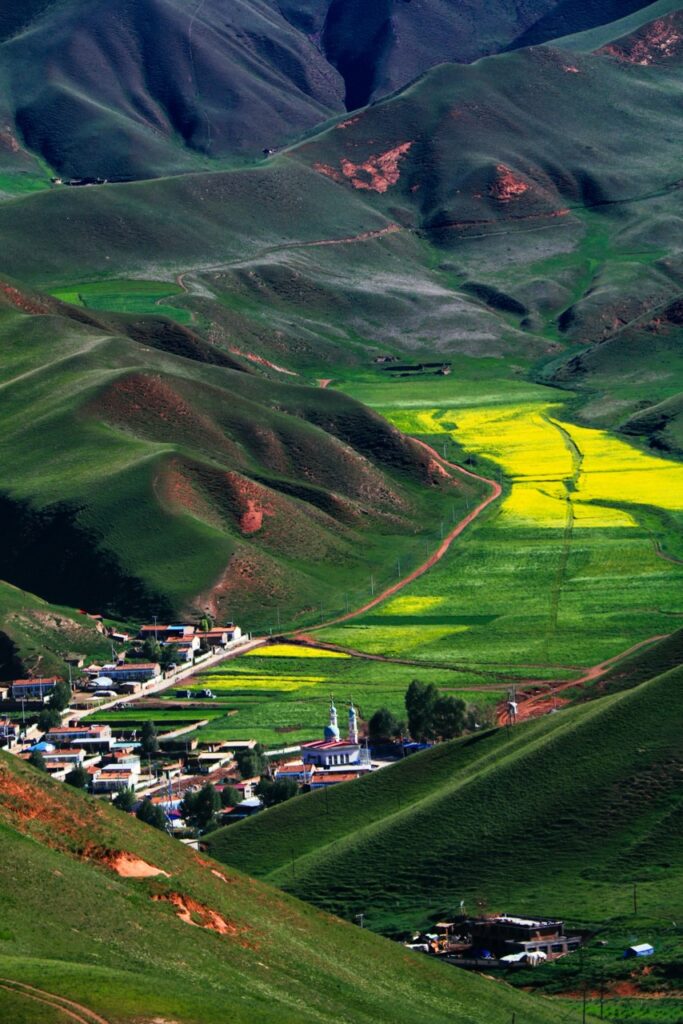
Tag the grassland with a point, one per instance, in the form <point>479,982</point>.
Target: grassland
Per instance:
<point>133,297</point>
<point>559,816</point>
<point>567,572</point>
<point>117,946</point>
<point>280,695</point>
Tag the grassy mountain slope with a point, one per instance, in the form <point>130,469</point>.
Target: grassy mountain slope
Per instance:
<point>123,946</point>
<point>158,475</point>
<point>36,637</point>
<point>136,89</point>
<point>132,89</point>
<point>560,817</point>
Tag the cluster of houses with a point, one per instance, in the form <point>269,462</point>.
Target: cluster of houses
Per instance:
<point>497,940</point>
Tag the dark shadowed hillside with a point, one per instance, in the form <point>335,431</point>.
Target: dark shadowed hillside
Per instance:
<point>134,89</point>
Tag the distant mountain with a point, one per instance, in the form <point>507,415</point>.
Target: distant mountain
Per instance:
<point>136,88</point>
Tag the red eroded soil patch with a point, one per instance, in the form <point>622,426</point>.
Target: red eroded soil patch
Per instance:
<point>192,912</point>
<point>659,40</point>
<point>25,303</point>
<point>125,864</point>
<point>507,185</point>
<point>252,502</point>
<point>261,361</point>
<point>376,174</point>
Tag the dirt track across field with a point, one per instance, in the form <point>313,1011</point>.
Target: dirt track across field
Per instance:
<point>542,703</point>
<point>66,1007</point>
<point>496,491</point>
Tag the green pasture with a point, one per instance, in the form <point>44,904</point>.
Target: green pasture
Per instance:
<point>517,597</point>
<point>560,816</point>
<point>285,700</point>
<point>126,955</point>
<point>127,296</point>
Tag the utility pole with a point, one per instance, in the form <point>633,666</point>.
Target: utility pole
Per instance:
<point>585,988</point>
<point>360,918</point>
<point>442,529</point>
<point>372,585</point>
<point>398,567</point>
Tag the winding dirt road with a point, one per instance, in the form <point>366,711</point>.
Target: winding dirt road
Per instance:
<point>66,1007</point>
<point>496,491</point>
<point>540,704</point>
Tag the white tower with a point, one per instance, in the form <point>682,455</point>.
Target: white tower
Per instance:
<point>332,730</point>
<point>353,725</point>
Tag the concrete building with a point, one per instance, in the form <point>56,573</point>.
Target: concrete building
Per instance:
<point>143,672</point>
<point>33,689</point>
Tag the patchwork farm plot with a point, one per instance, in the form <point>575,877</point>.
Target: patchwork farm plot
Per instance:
<point>576,564</point>
<point>280,694</point>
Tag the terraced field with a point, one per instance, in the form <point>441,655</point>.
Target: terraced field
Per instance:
<point>578,562</point>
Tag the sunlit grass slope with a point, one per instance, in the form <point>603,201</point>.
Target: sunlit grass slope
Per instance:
<point>118,946</point>
<point>559,816</point>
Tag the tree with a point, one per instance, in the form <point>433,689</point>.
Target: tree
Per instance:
<point>37,760</point>
<point>251,762</point>
<point>276,792</point>
<point>383,726</point>
<point>448,718</point>
<point>49,718</point>
<point>199,809</point>
<point>151,649</point>
<point>149,741</point>
<point>60,698</point>
<point>420,701</point>
<point>151,814</point>
<point>125,800</point>
<point>78,778</point>
<point>167,656</point>
<point>206,623</point>
<point>230,796</point>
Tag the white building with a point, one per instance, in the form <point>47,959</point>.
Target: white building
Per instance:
<point>332,751</point>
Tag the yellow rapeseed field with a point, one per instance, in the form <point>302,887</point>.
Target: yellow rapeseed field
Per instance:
<point>293,651</point>
<point>560,473</point>
<point>257,681</point>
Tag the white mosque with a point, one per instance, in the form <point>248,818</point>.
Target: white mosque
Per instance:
<point>332,752</point>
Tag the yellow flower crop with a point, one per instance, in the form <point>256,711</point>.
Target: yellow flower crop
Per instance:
<point>410,605</point>
<point>560,473</point>
<point>257,681</point>
<point>293,651</point>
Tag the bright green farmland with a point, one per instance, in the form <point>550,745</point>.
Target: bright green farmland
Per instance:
<point>124,296</point>
<point>282,699</point>
<point>564,572</point>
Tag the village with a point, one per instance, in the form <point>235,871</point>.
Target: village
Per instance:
<point>48,722</point>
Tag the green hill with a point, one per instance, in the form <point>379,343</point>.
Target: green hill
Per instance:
<point>561,817</point>
<point>162,475</point>
<point>129,924</point>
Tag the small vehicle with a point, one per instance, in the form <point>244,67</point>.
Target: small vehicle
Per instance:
<point>208,694</point>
